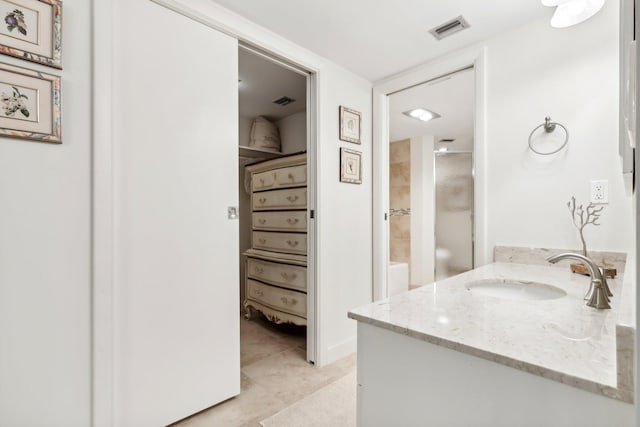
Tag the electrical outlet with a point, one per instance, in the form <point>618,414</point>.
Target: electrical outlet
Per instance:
<point>600,191</point>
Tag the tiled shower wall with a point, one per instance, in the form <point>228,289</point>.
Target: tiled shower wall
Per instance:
<point>400,201</point>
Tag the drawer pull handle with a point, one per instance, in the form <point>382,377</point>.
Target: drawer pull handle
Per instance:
<point>293,243</point>
<point>262,181</point>
<point>290,176</point>
<point>263,241</point>
<point>293,221</point>
<point>292,198</point>
<point>262,221</point>
<point>288,277</point>
<point>291,301</point>
<point>259,270</point>
<point>258,292</point>
<point>262,199</point>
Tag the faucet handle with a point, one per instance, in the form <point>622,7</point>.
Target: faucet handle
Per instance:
<point>598,298</point>
<point>605,285</point>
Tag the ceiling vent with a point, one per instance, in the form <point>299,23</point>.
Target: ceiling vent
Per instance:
<point>449,28</point>
<point>446,140</point>
<point>285,100</point>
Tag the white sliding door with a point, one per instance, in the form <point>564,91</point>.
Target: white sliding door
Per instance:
<point>175,303</point>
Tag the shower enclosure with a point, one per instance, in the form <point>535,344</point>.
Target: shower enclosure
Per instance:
<point>453,173</point>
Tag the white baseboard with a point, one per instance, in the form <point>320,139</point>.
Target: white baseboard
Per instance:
<point>341,350</point>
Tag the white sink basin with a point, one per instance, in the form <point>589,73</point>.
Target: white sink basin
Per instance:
<point>515,290</point>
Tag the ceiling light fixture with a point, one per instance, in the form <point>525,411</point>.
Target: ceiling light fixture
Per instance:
<point>572,12</point>
<point>421,114</point>
<point>443,149</point>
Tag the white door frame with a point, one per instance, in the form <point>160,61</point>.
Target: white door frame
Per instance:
<point>474,56</point>
<point>103,219</point>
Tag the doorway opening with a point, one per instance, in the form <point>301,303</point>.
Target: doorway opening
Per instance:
<point>413,221</point>
<point>276,197</point>
<point>431,137</point>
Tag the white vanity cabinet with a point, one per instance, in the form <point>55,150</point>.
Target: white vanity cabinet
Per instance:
<point>276,263</point>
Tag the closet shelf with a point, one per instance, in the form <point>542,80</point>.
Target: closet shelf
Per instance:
<point>257,153</point>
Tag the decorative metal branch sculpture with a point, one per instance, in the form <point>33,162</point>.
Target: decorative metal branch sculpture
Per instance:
<point>582,217</point>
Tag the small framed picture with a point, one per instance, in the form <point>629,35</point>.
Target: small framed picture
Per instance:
<point>350,166</point>
<point>32,30</point>
<point>349,125</point>
<point>30,104</point>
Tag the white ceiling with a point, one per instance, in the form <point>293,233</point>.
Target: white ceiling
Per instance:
<point>378,38</point>
<point>262,82</point>
<point>451,97</point>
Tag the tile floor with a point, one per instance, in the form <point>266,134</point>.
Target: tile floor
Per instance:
<point>274,374</point>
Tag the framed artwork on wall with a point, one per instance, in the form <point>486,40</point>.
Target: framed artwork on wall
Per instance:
<point>349,125</point>
<point>31,106</point>
<point>32,30</point>
<point>350,166</point>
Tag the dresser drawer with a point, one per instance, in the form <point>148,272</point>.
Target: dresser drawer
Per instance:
<point>289,243</point>
<point>293,198</point>
<point>292,176</point>
<point>284,275</point>
<point>280,299</point>
<point>280,221</point>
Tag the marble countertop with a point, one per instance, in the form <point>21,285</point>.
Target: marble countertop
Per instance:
<point>560,339</point>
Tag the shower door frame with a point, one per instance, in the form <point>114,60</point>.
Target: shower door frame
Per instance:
<point>472,57</point>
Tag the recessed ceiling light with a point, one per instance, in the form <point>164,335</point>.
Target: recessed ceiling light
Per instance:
<point>421,114</point>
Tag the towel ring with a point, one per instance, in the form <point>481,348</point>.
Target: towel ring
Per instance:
<point>549,127</point>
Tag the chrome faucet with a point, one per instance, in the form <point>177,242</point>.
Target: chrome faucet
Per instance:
<point>598,294</point>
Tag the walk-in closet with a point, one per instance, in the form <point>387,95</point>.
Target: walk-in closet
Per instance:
<point>273,211</point>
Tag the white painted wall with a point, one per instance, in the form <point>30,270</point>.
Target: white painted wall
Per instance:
<point>422,210</point>
<point>293,132</point>
<point>344,216</point>
<point>176,284</point>
<point>571,75</point>
<point>45,286</point>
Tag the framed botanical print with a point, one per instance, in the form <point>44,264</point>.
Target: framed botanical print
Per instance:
<point>350,166</point>
<point>32,30</point>
<point>349,125</point>
<point>30,104</point>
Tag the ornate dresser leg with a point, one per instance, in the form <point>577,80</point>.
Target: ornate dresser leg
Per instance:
<point>247,311</point>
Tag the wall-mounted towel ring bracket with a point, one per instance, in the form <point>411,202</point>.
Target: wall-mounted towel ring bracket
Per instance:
<point>549,127</point>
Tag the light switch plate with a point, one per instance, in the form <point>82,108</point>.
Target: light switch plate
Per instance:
<point>600,191</point>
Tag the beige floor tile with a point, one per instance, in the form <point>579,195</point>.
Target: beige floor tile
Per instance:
<point>255,402</point>
<point>260,338</point>
<point>289,377</point>
<point>256,345</point>
<point>274,373</point>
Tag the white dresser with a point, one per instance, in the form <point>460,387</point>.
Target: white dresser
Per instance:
<point>276,263</point>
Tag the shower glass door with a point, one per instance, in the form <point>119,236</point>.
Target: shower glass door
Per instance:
<point>453,214</point>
